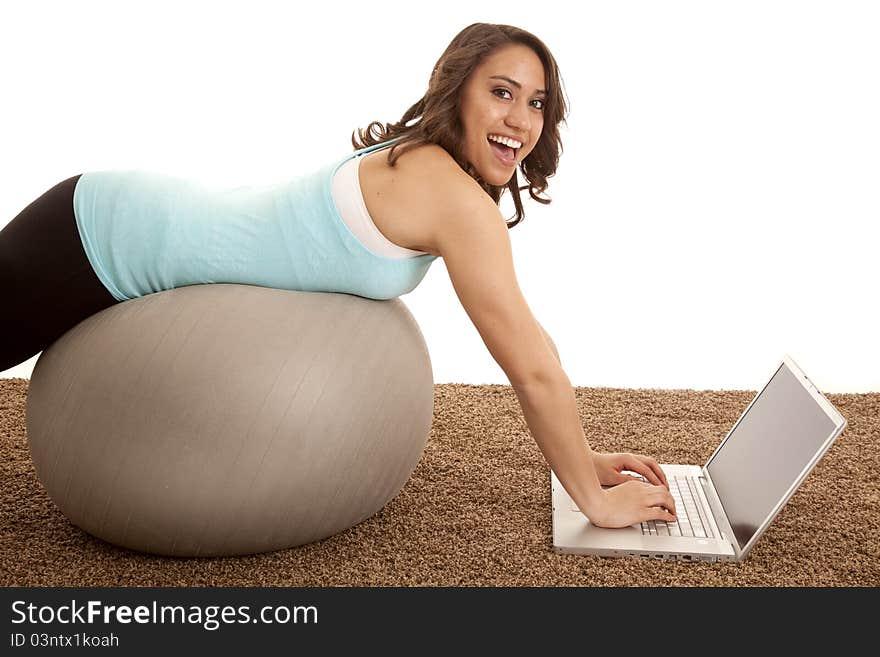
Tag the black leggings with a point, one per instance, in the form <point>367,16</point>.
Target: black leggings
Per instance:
<point>47,285</point>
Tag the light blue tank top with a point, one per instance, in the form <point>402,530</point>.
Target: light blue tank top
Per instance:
<point>145,232</point>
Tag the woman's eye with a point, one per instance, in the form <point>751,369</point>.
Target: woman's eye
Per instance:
<point>538,103</point>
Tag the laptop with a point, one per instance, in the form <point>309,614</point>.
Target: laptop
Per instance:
<point>723,507</point>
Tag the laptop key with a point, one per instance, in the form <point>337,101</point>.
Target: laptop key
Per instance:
<point>704,521</point>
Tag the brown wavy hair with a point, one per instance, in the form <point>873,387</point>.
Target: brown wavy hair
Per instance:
<point>435,118</point>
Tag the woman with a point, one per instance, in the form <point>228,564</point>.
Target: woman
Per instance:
<point>370,224</point>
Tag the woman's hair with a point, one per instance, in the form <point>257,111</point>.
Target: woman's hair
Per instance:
<point>435,119</point>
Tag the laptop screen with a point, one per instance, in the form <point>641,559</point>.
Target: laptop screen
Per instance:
<point>768,450</point>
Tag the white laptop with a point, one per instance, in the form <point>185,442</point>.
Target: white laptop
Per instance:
<point>723,507</point>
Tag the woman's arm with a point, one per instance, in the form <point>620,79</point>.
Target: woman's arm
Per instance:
<point>610,468</point>
<point>549,342</point>
<point>473,240</point>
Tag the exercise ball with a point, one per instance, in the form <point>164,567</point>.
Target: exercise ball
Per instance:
<point>221,419</point>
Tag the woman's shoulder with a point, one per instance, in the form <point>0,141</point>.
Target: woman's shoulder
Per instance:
<point>445,186</point>
<point>414,198</point>
<point>420,163</point>
<point>431,180</point>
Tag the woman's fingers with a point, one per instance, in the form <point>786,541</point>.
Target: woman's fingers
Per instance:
<point>661,498</point>
<point>644,470</point>
<point>657,477</point>
<point>633,502</point>
<point>659,513</point>
<point>648,468</point>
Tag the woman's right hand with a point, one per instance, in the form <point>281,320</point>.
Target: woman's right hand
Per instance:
<point>633,502</point>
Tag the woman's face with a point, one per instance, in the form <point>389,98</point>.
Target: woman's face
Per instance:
<point>503,99</point>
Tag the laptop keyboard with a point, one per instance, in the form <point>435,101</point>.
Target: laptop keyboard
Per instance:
<point>691,519</point>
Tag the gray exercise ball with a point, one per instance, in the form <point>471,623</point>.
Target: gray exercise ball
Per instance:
<point>223,419</point>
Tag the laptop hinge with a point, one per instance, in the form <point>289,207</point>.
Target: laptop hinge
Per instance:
<point>718,511</point>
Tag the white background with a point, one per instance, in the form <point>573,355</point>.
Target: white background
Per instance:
<point>716,205</point>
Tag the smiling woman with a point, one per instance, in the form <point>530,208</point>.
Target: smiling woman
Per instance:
<point>493,107</point>
<point>492,81</point>
<point>368,224</point>
<point>497,110</point>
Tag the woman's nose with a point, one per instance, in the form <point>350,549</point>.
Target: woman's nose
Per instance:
<point>518,118</point>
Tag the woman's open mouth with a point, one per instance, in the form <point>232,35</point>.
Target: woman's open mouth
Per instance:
<point>505,149</point>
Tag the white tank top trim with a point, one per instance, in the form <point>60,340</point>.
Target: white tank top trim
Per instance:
<point>350,201</point>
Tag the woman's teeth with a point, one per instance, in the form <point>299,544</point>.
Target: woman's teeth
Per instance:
<point>512,143</point>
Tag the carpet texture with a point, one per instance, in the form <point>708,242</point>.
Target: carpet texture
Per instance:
<point>476,511</point>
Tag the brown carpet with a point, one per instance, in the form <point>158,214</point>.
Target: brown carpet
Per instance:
<point>476,511</point>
